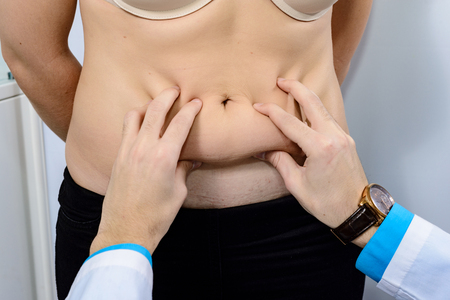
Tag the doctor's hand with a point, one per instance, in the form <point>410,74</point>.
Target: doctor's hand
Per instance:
<point>148,183</point>
<point>330,183</point>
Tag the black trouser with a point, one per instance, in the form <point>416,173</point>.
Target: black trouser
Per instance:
<point>268,250</point>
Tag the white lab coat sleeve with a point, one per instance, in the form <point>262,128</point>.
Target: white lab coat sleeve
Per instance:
<point>118,272</point>
<point>420,268</point>
<point>408,257</point>
<point>377,254</point>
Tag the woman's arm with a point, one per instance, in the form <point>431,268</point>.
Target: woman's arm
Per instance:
<point>33,36</point>
<point>348,24</point>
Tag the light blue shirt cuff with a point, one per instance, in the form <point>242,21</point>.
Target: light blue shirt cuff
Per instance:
<point>378,252</point>
<point>134,247</point>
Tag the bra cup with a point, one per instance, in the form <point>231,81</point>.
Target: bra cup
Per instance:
<point>310,6</point>
<point>161,9</point>
<point>304,10</point>
<point>158,5</point>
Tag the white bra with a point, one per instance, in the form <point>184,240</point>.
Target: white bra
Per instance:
<point>302,10</point>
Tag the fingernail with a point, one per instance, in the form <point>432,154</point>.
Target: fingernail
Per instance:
<point>261,155</point>
<point>196,100</point>
<point>195,164</point>
<point>176,87</point>
<point>280,79</point>
<point>258,104</point>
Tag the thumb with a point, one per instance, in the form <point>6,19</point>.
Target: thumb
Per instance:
<point>184,167</point>
<point>288,168</point>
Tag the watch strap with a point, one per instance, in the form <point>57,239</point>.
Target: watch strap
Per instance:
<point>361,220</point>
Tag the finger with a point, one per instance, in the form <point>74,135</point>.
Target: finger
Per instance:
<point>184,167</point>
<point>288,168</point>
<point>132,123</point>
<point>313,108</point>
<point>179,127</point>
<point>290,126</point>
<point>157,110</point>
<point>182,170</point>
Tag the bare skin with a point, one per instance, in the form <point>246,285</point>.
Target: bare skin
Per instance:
<point>230,66</point>
<point>228,54</point>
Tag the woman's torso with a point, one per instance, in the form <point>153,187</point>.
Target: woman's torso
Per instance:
<point>229,54</point>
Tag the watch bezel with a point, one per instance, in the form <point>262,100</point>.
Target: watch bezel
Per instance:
<point>367,199</point>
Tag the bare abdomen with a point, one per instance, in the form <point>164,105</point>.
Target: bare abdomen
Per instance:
<point>228,58</point>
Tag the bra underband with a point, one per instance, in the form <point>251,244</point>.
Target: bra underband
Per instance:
<point>302,10</point>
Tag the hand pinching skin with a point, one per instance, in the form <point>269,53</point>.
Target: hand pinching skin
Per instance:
<point>330,182</point>
<point>148,182</point>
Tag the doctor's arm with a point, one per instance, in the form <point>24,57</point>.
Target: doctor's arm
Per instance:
<point>408,256</point>
<point>145,192</point>
<point>33,35</point>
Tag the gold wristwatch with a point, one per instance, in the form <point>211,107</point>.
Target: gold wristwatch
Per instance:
<point>375,204</point>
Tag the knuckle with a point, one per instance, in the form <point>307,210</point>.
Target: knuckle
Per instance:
<point>154,115</point>
<point>162,153</point>
<point>149,123</point>
<point>156,106</point>
<point>332,146</point>
<point>178,128</point>
<point>344,141</point>
<point>136,154</point>
<point>291,120</point>
<point>281,117</point>
<point>182,120</point>
<point>163,158</point>
<point>325,115</point>
<point>326,146</point>
<point>276,159</point>
<point>340,142</point>
<point>130,116</point>
<point>351,142</point>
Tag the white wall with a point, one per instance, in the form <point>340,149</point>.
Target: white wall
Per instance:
<point>397,100</point>
<point>397,103</point>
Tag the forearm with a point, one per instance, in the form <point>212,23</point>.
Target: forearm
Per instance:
<point>50,87</point>
<point>34,44</point>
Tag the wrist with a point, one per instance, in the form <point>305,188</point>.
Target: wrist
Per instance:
<point>374,206</point>
<point>104,240</point>
<point>363,239</point>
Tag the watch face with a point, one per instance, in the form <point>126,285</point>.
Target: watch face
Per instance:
<point>381,198</point>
